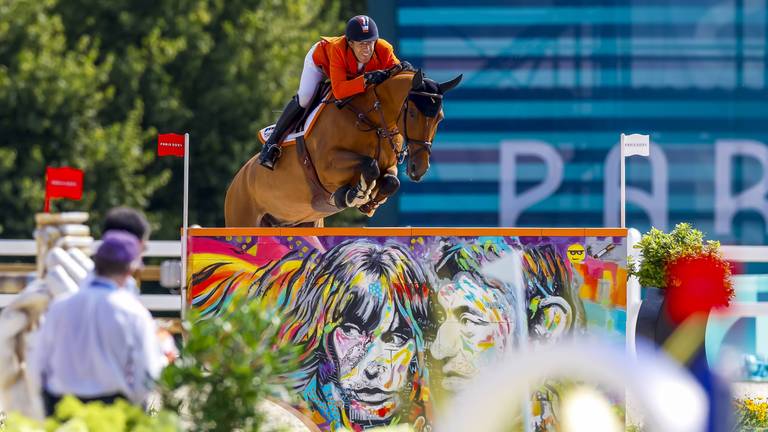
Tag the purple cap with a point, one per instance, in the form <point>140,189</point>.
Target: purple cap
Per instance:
<point>119,247</point>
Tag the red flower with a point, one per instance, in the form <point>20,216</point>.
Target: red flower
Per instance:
<point>697,283</point>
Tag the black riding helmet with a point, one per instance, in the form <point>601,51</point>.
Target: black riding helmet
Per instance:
<point>361,28</point>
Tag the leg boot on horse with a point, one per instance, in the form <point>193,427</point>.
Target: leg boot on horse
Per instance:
<point>272,149</point>
<point>388,185</point>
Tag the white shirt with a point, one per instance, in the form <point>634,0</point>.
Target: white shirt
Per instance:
<point>99,341</point>
<point>130,284</point>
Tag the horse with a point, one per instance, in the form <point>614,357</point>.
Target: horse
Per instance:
<point>349,158</point>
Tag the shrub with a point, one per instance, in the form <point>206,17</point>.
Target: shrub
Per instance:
<point>227,365</point>
<point>75,416</point>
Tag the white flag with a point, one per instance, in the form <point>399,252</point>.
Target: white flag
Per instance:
<point>636,144</point>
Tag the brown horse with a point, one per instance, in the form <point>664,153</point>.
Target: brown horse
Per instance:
<point>348,159</point>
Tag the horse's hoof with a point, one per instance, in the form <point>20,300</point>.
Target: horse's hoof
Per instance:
<point>369,213</point>
<point>368,208</point>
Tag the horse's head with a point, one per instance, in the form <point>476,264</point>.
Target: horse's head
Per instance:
<point>423,112</point>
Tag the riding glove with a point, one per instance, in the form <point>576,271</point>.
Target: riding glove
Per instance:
<point>375,77</point>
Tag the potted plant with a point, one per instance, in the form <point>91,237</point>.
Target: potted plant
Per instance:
<point>681,274</point>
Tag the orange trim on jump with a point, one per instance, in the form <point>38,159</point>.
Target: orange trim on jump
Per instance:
<point>471,232</point>
<point>407,232</point>
<point>606,232</point>
<point>564,232</point>
<point>346,232</point>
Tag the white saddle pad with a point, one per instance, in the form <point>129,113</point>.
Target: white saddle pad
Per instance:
<point>265,133</point>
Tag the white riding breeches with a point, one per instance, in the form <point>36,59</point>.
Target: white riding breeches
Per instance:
<point>311,76</point>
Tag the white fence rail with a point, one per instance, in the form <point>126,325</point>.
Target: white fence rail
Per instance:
<point>170,249</point>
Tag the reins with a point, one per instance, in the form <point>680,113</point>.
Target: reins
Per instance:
<point>390,134</point>
<point>381,130</point>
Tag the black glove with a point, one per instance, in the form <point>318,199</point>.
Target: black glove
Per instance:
<point>375,77</point>
<point>407,66</point>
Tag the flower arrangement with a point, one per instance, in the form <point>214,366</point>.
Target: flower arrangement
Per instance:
<point>659,249</point>
<point>693,272</point>
<point>751,413</point>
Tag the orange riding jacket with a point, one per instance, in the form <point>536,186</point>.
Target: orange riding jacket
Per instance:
<point>339,63</point>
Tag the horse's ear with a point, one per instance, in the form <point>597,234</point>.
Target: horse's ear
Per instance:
<point>418,80</point>
<point>448,85</point>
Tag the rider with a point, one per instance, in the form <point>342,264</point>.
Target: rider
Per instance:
<point>352,62</point>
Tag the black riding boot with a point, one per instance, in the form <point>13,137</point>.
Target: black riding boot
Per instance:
<point>271,151</point>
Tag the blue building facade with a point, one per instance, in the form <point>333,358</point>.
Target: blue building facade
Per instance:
<point>531,135</point>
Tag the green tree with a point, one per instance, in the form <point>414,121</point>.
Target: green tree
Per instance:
<point>89,83</point>
<point>219,70</point>
<point>52,94</point>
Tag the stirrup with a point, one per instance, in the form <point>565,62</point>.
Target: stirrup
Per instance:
<point>270,155</point>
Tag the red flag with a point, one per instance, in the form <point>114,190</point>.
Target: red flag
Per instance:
<point>64,182</point>
<point>170,145</point>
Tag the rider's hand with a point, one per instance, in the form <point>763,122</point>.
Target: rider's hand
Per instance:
<point>375,77</point>
<point>407,66</point>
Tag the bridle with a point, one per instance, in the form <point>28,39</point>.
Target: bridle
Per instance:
<point>401,151</point>
<point>423,145</point>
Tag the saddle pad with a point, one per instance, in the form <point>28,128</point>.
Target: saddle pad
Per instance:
<point>290,139</point>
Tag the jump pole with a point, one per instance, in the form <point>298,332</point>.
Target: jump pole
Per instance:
<point>185,224</point>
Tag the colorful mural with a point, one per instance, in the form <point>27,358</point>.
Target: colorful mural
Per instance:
<point>391,326</point>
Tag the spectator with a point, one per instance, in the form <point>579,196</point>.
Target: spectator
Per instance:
<point>100,344</point>
<point>128,219</point>
<point>134,222</point>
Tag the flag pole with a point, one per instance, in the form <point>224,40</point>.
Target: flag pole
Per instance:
<point>47,207</point>
<point>622,186</point>
<point>185,224</point>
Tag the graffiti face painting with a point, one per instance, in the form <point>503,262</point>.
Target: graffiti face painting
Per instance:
<point>475,313</point>
<point>373,350</point>
<point>358,312</point>
<point>474,330</point>
<point>389,327</point>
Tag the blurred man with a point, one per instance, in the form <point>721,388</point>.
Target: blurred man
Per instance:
<point>130,220</point>
<point>134,222</point>
<point>100,344</point>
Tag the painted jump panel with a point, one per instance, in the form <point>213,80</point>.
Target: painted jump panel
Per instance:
<point>392,322</point>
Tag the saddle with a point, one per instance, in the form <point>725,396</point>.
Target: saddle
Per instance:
<point>321,198</point>
<point>304,124</point>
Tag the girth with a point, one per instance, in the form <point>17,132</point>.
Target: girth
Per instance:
<point>321,197</point>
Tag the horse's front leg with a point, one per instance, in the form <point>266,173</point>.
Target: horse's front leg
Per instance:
<point>388,185</point>
<point>359,192</point>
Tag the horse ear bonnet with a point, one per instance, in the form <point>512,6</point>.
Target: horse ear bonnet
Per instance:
<point>429,106</point>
